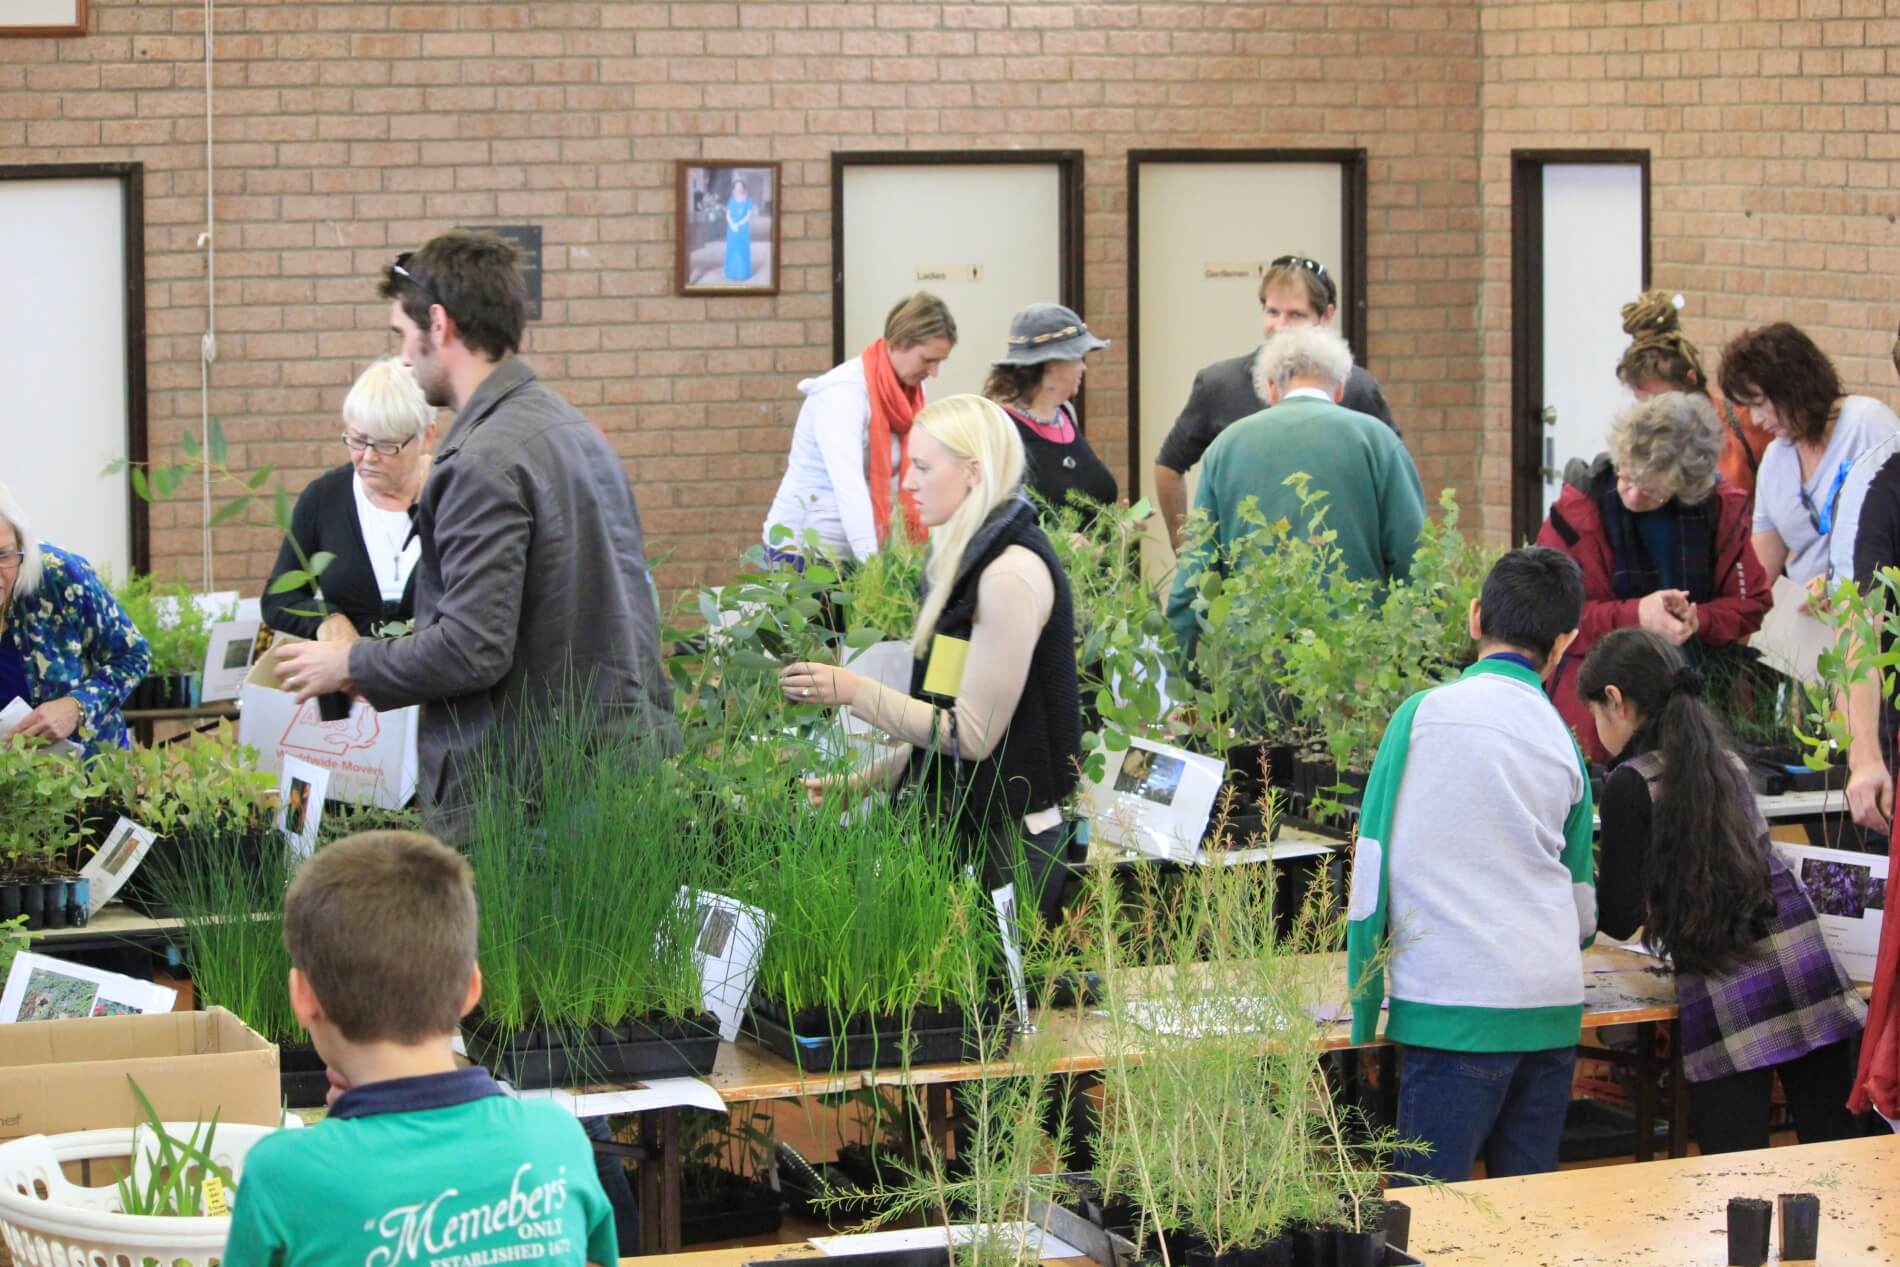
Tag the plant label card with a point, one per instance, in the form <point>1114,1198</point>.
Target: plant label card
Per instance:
<point>1849,892</point>
<point>228,658</point>
<point>113,864</point>
<point>1156,800</point>
<point>1005,900</point>
<point>301,788</point>
<point>1037,1244</point>
<point>16,712</point>
<point>641,1097</point>
<point>728,943</point>
<point>41,988</point>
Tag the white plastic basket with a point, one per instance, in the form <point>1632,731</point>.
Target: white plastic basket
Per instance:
<point>50,1221</point>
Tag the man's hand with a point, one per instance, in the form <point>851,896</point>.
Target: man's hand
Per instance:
<point>337,627</point>
<point>310,669</point>
<point>1870,796</point>
<point>1658,613</point>
<point>52,721</point>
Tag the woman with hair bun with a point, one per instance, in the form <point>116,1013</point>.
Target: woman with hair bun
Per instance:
<point>1686,857</point>
<point>991,730</point>
<point>1662,541</point>
<point>1661,359</point>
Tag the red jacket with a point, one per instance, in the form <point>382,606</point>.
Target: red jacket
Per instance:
<point>1743,596</point>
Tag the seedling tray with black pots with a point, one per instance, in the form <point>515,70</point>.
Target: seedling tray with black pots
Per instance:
<point>552,1056</point>
<point>300,1072</point>
<point>721,1206</point>
<point>814,1040</point>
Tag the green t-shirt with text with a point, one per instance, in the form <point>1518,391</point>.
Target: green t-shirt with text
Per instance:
<point>489,1181</point>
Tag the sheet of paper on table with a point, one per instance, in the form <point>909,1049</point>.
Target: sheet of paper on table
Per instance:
<point>1045,1244</point>
<point>1232,1015</point>
<point>641,1097</point>
<point>1790,639</point>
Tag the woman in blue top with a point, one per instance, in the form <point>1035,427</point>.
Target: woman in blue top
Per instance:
<point>739,234</point>
<point>66,649</point>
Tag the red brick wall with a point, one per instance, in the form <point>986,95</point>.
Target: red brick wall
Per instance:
<point>346,132</point>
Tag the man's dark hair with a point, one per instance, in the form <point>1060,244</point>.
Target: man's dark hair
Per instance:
<point>475,279</point>
<point>1532,597</point>
<point>1783,364</point>
<point>382,925</point>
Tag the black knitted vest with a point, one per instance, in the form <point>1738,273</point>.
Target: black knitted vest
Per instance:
<point>1034,765</point>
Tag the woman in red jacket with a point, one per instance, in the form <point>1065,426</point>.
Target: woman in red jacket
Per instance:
<point>1662,540</point>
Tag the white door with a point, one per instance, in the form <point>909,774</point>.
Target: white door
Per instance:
<point>1593,265</point>
<point>63,404</point>
<point>1208,232</point>
<point>909,228</point>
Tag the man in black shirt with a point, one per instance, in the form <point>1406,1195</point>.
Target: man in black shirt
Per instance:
<point>1293,292</point>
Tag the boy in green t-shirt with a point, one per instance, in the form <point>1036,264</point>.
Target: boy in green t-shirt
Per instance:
<point>418,1162</point>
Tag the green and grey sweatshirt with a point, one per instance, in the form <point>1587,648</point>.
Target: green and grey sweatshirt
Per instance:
<point>1473,864</point>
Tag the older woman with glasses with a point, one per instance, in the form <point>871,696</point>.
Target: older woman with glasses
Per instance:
<point>1662,540</point>
<point>359,514</point>
<point>66,649</point>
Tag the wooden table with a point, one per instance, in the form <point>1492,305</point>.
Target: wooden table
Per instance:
<point>772,1254</point>
<point>114,925</point>
<point>1671,1213</point>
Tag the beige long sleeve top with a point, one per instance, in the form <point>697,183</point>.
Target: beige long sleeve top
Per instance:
<point>1014,599</point>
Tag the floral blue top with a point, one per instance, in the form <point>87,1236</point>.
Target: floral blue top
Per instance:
<point>75,640</point>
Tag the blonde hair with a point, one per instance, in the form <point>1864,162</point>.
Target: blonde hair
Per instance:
<point>26,581</point>
<point>386,403</point>
<point>971,428</point>
<point>1302,352</point>
<point>1673,441</point>
<point>919,319</point>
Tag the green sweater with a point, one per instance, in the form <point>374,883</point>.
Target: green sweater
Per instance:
<point>1374,501</point>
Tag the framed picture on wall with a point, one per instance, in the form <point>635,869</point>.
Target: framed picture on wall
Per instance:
<point>728,238</point>
<point>42,17</point>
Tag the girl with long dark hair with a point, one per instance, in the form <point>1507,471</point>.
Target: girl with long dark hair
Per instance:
<point>1685,855</point>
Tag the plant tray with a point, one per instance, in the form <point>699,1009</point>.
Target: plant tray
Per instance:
<point>301,1073</point>
<point>543,1056</point>
<point>810,1041</point>
<point>741,1208</point>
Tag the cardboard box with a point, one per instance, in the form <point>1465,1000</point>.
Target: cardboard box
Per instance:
<point>71,1075</point>
<point>371,756</point>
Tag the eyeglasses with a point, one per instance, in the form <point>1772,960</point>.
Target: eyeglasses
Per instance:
<point>388,448</point>
<point>10,559</point>
<point>401,269</point>
<point>1314,267</point>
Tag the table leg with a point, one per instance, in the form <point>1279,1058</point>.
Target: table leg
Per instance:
<point>1678,1095</point>
<point>672,1170</point>
<point>1645,1089</point>
<point>648,1193</point>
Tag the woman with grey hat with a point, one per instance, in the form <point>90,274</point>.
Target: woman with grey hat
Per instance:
<point>1034,384</point>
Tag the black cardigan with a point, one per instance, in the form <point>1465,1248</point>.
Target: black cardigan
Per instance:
<point>325,519</point>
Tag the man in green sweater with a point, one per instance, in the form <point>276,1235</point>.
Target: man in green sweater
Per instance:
<point>1373,498</point>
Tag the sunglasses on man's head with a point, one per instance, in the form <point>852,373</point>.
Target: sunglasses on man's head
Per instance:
<point>401,269</point>
<point>1314,267</point>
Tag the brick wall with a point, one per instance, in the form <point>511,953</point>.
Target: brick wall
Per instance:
<point>346,132</point>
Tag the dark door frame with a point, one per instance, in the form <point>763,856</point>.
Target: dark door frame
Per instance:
<point>1069,207</point>
<point>1352,232</point>
<point>131,178</point>
<point>1527,316</point>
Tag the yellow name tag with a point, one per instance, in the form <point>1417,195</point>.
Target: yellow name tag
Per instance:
<point>215,1202</point>
<point>944,674</point>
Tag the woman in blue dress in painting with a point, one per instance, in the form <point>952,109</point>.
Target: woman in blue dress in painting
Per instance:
<point>739,234</point>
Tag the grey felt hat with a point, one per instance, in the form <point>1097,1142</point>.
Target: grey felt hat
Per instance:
<point>1048,332</point>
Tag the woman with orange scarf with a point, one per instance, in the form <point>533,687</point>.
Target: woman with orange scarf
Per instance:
<point>851,447</point>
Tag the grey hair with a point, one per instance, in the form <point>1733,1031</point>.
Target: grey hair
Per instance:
<point>1671,441</point>
<point>27,581</point>
<point>386,403</point>
<point>1302,352</point>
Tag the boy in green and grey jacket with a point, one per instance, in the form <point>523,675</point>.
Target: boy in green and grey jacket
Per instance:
<point>1473,865</point>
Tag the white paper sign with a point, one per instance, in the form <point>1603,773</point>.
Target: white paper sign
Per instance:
<point>1790,639</point>
<point>640,1097</point>
<point>228,658</point>
<point>41,988</point>
<point>17,711</point>
<point>301,790</point>
<point>113,864</point>
<point>1043,1245</point>
<point>1006,923</point>
<point>728,942</point>
<point>1155,799</point>
<point>1849,892</point>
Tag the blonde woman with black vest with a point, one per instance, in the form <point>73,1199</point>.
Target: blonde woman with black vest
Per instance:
<point>991,729</point>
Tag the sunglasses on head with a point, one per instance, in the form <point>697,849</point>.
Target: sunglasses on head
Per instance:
<point>401,269</point>
<point>1312,266</point>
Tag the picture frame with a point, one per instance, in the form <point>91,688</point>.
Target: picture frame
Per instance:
<point>713,255</point>
<point>30,19</point>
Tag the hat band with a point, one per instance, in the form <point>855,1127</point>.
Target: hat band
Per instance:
<point>1024,340</point>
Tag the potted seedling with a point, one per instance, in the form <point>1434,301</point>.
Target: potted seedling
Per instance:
<point>725,1189</point>
<point>582,843</point>
<point>178,630</point>
<point>206,803</point>
<point>42,799</point>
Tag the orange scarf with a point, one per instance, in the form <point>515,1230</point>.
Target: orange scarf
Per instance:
<point>893,408</point>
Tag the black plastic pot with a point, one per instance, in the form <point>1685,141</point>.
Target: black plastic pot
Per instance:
<point>644,1047</point>
<point>143,890</point>
<point>1358,1249</point>
<point>1277,1252</point>
<point>53,903</point>
<point>334,706</point>
<point>1397,1217</point>
<point>1312,1246</point>
<point>1800,1226</point>
<point>10,900</point>
<point>814,1040</point>
<point>78,903</point>
<point>301,1077</point>
<point>719,1205</point>
<point>1748,1221</point>
<point>33,903</point>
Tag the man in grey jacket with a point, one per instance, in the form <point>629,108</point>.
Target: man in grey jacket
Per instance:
<point>533,575</point>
